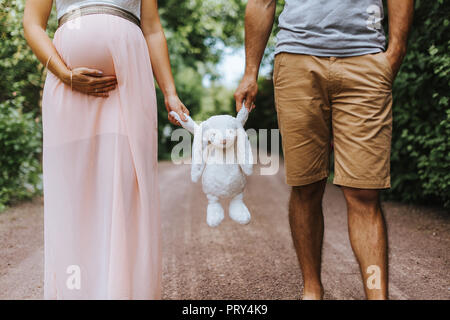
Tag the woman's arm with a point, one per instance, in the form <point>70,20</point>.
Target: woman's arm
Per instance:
<point>35,21</point>
<point>159,55</point>
<point>89,81</point>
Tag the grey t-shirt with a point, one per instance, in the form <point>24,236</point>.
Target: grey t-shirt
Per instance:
<point>338,28</point>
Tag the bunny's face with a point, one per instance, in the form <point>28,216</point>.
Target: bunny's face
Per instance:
<point>220,131</point>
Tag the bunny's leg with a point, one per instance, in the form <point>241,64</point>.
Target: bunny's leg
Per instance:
<point>238,210</point>
<point>214,215</point>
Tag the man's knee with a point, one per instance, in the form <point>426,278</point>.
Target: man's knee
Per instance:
<point>361,197</point>
<point>309,193</point>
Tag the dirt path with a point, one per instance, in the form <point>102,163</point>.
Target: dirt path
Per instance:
<point>256,261</point>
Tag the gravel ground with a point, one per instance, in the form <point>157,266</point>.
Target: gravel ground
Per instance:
<point>256,261</point>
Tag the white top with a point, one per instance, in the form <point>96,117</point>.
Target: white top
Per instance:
<point>64,6</point>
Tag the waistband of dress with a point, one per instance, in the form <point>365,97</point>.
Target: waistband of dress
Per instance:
<point>98,9</point>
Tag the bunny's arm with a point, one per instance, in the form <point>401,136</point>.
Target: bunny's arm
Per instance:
<point>189,124</point>
<point>199,154</point>
<point>244,152</point>
<point>242,115</point>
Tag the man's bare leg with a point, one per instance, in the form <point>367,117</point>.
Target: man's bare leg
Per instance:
<point>306,220</point>
<point>368,237</point>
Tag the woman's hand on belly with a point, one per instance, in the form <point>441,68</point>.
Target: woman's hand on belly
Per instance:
<point>90,81</point>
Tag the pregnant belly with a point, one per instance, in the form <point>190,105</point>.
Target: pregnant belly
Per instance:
<point>91,54</point>
<point>88,41</point>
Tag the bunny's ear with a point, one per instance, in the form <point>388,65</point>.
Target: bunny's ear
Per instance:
<point>244,152</point>
<point>199,154</point>
<point>242,115</point>
<point>189,124</point>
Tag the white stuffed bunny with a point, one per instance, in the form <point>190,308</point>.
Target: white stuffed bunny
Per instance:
<point>221,152</point>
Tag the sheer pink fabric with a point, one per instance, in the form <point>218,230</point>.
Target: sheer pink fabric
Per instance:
<point>102,223</point>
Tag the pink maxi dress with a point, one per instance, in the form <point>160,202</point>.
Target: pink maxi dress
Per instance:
<point>101,198</point>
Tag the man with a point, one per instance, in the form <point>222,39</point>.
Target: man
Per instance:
<point>332,80</point>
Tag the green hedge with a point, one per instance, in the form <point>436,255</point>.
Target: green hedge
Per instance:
<point>20,145</point>
<point>20,125</point>
<point>420,165</point>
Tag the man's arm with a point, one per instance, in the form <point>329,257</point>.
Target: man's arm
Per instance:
<point>259,16</point>
<point>400,14</point>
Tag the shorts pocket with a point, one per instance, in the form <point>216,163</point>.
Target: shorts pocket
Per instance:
<point>386,65</point>
<point>276,68</point>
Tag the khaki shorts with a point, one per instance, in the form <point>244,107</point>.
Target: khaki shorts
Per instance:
<point>346,101</point>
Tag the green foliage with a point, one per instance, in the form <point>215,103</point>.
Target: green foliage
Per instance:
<point>20,145</point>
<point>421,147</point>
<point>20,88</point>
<point>20,70</point>
<point>216,101</point>
<point>194,27</point>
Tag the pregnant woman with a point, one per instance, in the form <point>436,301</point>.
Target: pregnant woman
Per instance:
<point>101,201</point>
